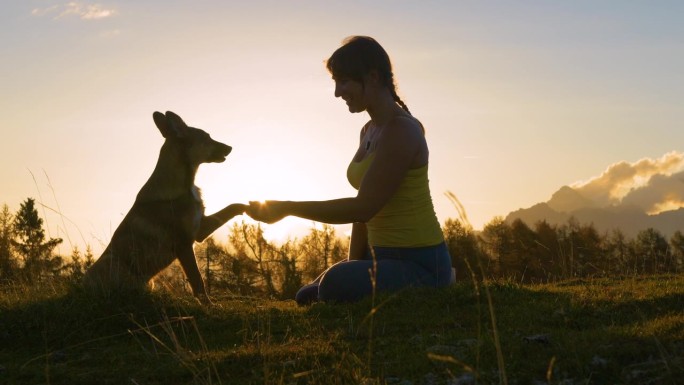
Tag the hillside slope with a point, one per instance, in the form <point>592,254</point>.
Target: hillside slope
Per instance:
<point>628,331</point>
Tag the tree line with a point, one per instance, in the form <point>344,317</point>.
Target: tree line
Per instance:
<point>248,264</point>
<point>547,252</point>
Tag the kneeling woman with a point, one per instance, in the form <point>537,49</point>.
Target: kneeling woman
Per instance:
<point>394,221</point>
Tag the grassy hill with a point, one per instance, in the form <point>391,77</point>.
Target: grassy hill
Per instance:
<point>600,331</point>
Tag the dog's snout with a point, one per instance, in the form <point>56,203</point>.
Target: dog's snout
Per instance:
<point>224,149</point>
<point>220,151</point>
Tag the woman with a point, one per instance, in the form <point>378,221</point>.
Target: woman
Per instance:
<point>396,239</point>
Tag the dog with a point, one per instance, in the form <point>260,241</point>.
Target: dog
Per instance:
<point>167,216</point>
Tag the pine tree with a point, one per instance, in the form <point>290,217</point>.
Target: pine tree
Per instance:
<point>76,268</point>
<point>8,259</point>
<point>30,243</point>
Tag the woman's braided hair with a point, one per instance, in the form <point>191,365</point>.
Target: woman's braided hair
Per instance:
<point>359,55</point>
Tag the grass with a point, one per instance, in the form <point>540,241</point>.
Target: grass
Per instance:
<point>599,331</point>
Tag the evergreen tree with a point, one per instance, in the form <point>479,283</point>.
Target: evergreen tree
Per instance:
<point>79,264</point>
<point>36,252</point>
<point>8,260</point>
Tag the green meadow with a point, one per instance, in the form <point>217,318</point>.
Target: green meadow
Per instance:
<point>586,331</point>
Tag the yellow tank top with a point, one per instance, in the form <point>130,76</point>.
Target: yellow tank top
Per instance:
<point>408,219</point>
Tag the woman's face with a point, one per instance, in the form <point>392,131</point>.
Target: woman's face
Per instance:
<point>352,92</point>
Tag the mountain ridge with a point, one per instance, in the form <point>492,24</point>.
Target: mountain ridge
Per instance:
<point>569,203</point>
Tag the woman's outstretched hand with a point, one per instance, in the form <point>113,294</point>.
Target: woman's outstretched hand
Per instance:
<point>267,212</point>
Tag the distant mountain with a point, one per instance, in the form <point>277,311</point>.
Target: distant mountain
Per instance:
<point>568,202</point>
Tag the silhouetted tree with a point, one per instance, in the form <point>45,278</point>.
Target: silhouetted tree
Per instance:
<point>677,250</point>
<point>30,243</point>
<point>581,245</point>
<point>498,244</point>
<point>319,250</point>
<point>589,244</point>
<point>8,261</point>
<point>76,268</point>
<point>617,253</point>
<point>228,269</point>
<point>464,249</point>
<point>248,240</point>
<point>548,250</point>
<point>651,252</point>
<point>289,278</point>
<point>524,262</point>
<point>207,254</point>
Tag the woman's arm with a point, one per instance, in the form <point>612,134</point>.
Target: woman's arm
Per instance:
<point>358,244</point>
<point>395,154</point>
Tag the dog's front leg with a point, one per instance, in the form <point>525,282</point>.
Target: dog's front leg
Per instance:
<point>188,262</point>
<point>210,223</point>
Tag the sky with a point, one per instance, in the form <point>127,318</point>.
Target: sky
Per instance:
<point>518,99</point>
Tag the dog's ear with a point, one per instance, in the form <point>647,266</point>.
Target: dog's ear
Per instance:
<point>170,125</point>
<point>176,123</point>
<point>163,125</point>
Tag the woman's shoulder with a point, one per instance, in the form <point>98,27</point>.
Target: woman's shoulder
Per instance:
<point>406,125</point>
<point>364,129</point>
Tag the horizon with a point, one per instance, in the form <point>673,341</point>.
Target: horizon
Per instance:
<point>518,100</point>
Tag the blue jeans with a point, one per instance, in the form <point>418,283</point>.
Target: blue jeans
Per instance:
<point>397,268</point>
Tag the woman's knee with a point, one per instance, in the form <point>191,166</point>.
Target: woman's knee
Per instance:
<point>345,282</point>
<point>307,294</point>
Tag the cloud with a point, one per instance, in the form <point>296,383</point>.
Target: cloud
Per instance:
<point>45,11</point>
<point>78,9</point>
<point>652,184</point>
<point>662,192</point>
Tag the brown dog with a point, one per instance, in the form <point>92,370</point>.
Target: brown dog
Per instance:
<point>167,216</point>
